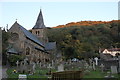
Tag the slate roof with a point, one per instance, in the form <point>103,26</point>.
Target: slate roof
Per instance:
<point>29,35</point>
<point>114,49</point>
<point>40,22</point>
<point>12,50</point>
<point>41,50</point>
<point>50,46</point>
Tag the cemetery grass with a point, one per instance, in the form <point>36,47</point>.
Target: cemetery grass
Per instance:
<point>98,74</point>
<point>38,73</point>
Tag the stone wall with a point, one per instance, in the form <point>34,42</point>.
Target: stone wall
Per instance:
<point>22,43</point>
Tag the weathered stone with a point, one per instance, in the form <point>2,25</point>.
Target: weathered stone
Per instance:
<point>114,70</point>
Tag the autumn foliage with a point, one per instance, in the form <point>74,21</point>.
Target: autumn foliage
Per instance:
<point>86,23</point>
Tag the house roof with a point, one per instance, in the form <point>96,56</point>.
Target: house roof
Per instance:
<point>114,49</point>
<point>29,34</point>
<point>41,50</point>
<point>40,22</point>
<point>12,50</point>
<point>50,46</point>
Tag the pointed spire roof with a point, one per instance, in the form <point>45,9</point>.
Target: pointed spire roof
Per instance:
<point>40,22</point>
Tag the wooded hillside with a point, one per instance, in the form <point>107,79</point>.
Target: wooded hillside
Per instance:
<point>83,39</point>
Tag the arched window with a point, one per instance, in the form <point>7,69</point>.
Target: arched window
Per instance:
<point>27,51</point>
<point>14,36</point>
<point>36,32</point>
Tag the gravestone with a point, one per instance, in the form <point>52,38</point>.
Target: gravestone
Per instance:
<point>86,65</point>
<point>102,67</point>
<point>40,65</point>
<point>93,65</point>
<point>90,62</point>
<point>96,61</point>
<point>114,69</point>
<point>53,64</point>
<point>119,64</point>
<point>49,68</point>
<point>17,63</point>
<point>60,67</point>
<point>33,68</point>
<point>37,62</point>
<point>21,66</point>
<point>25,65</point>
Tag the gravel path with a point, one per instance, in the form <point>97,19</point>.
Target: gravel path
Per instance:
<point>4,74</point>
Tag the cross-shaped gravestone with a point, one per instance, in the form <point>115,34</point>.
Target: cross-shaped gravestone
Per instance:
<point>96,60</point>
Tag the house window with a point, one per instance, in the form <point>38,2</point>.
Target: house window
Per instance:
<point>27,51</point>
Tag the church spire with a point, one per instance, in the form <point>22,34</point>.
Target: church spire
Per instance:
<point>40,22</point>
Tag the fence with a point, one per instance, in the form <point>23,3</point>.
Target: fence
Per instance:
<point>67,75</point>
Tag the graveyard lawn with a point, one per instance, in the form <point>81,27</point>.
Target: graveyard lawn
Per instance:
<point>98,74</point>
<point>38,74</point>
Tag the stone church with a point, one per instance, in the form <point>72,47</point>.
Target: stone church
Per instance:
<point>33,44</point>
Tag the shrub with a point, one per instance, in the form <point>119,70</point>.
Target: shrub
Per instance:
<point>14,58</point>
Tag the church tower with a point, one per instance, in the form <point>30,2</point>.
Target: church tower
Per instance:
<point>39,29</point>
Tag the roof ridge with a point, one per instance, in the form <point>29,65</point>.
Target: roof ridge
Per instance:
<point>29,35</point>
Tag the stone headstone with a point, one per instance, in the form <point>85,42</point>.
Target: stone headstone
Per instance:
<point>102,67</point>
<point>52,63</point>
<point>86,65</point>
<point>96,60</point>
<point>33,67</point>
<point>37,62</point>
<point>119,64</point>
<point>40,65</point>
<point>114,69</point>
<point>60,67</point>
<point>93,65</point>
<point>17,63</point>
<point>90,62</point>
<point>21,68</point>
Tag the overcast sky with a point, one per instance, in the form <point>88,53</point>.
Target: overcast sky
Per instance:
<point>57,13</point>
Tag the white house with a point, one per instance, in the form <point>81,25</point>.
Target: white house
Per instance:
<point>112,51</point>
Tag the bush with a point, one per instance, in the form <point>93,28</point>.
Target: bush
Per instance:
<point>14,58</point>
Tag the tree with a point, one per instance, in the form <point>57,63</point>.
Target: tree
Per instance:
<point>5,37</point>
<point>14,58</point>
<point>84,38</point>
